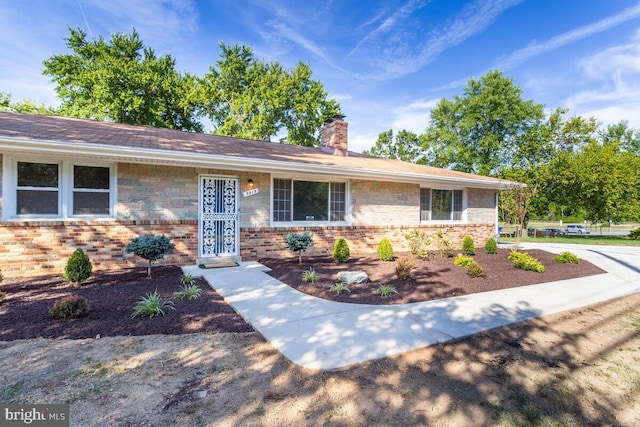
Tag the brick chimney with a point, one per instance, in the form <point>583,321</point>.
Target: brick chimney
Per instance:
<point>334,136</point>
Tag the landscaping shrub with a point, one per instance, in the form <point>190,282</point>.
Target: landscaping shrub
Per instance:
<point>188,291</point>
<point>78,268</point>
<point>385,250</point>
<point>386,290</point>
<point>567,257</point>
<point>339,287</point>
<point>635,234</point>
<point>526,262</point>
<point>468,246</point>
<point>404,267</point>
<point>70,307</point>
<point>463,261</point>
<point>150,247</point>
<point>2,296</point>
<point>298,242</point>
<point>152,305</point>
<point>310,276</point>
<point>418,243</point>
<point>341,250</point>
<point>187,279</point>
<point>491,247</point>
<point>475,270</point>
<point>444,244</point>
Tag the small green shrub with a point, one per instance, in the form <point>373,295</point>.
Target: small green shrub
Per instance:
<point>491,247</point>
<point>78,268</point>
<point>310,276</point>
<point>190,291</point>
<point>443,243</point>
<point>385,250</point>
<point>418,243</point>
<point>635,234</point>
<point>404,268</point>
<point>468,247</point>
<point>299,242</point>
<point>150,247</point>
<point>339,287</point>
<point>70,307</point>
<point>525,261</point>
<point>341,250</point>
<point>475,270</point>
<point>187,279</point>
<point>152,305</point>
<point>567,257</point>
<point>2,297</point>
<point>386,290</point>
<point>463,261</point>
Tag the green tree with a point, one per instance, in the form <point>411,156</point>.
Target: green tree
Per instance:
<point>405,146</point>
<point>486,128</point>
<point>123,81</point>
<point>24,106</point>
<point>245,97</point>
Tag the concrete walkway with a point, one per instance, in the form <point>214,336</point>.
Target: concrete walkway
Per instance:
<point>321,334</point>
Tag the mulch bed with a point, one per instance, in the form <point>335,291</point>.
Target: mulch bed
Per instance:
<point>112,296</point>
<point>434,277</point>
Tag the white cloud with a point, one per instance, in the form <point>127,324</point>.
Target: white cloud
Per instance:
<point>359,142</point>
<point>413,117</point>
<point>614,85</point>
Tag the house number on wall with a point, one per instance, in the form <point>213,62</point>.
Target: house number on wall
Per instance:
<point>250,192</point>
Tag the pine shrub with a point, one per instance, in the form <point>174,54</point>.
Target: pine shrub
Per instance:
<point>341,250</point>
<point>491,247</point>
<point>467,246</point>
<point>70,307</point>
<point>78,268</point>
<point>404,269</point>
<point>385,250</point>
<point>150,247</point>
<point>298,242</point>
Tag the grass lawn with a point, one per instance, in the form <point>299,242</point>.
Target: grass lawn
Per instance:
<point>579,240</point>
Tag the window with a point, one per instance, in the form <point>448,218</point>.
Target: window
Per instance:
<point>295,200</point>
<point>440,205</point>
<point>57,189</point>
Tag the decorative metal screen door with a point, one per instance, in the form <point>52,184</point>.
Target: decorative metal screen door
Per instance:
<point>218,213</point>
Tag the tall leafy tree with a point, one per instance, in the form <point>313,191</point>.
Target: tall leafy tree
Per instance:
<point>405,146</point>
<point>248,98</point>
<point>486,128</point>
<point>23,106</point>
<point>123,81</point>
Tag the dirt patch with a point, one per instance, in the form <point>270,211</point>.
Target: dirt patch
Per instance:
<point>111,297</point>
<point>577,368</point>
<point>433,278</point>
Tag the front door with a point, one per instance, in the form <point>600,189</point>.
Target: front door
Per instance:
<point>218,217</point>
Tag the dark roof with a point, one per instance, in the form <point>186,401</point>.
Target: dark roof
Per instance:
<point>32,127</point>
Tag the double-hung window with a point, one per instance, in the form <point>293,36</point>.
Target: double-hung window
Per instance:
<point>301,200</point>
<point>57,189</point>
<point>440,205</point>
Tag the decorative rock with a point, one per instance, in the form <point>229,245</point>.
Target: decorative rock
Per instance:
<point>351,277</point>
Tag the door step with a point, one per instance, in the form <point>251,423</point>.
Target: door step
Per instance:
<point>219,262</point>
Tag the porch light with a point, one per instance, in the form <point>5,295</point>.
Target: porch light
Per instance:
<point>250,183</point>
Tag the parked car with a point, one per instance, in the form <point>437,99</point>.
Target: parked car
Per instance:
<point>533,232</point>
<point>552,232</point>
<point>576,229</point>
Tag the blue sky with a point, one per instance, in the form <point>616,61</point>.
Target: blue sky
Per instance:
<point>387,62</point>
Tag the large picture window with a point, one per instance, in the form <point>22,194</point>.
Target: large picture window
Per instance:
<point>298,200</point>
<point>440,205</point>
<point>57,189</point>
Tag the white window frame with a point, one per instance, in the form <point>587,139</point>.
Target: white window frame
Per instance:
<point>65,188</point>
<point>347,203</point>
<point>463,214</point>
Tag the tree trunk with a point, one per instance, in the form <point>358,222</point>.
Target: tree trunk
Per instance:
<point>149,270</point>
